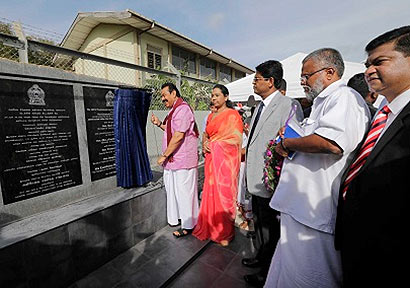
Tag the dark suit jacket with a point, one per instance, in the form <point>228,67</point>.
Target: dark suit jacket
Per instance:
<point>373,220</point>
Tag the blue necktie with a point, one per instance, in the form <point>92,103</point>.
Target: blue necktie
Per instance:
<point>258,114</point>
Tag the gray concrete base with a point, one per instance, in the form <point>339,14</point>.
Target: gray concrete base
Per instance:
<point>58,247</point>
<point>153,262</point>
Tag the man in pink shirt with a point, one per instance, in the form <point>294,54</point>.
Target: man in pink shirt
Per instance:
<point>180,160</point>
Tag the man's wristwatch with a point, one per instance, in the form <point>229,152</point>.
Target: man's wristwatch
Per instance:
<point>160,123</point>
<point>283,146</point>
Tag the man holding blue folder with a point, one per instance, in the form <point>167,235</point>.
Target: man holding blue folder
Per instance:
<point>308,188</point>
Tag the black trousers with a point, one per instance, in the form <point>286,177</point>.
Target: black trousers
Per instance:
<point>267,230</point>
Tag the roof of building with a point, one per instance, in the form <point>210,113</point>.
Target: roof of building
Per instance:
<point>85,22</point>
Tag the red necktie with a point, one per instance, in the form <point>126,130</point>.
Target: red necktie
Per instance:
<point>372,136</point>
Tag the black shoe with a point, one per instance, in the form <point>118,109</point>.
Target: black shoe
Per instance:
<point>251,262</point>
<point>256,280</point>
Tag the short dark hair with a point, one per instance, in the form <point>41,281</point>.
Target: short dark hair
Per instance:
<point>171,87</point>
<point>271,68</point>
<point>400,36</point>
<point>282,85</point>
<point>327,57</point>
<point>223,88</point>
<point>358,83</point>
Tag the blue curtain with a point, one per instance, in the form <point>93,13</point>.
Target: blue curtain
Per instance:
<point>130,119</point>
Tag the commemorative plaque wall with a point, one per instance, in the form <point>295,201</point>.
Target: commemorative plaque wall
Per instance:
<point>99,107</point>
<point>38,136</point>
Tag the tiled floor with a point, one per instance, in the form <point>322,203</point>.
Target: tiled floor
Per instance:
<point>152,262</point>
<point>219,266</point>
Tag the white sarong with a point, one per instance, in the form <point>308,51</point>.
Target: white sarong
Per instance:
<point>304,257</point>
<point>182,196</point>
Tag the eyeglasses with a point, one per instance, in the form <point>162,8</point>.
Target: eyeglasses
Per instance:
<point>256,79</point>
<point>305,77</point>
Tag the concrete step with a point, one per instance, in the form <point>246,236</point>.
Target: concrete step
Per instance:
<point>154,262</point>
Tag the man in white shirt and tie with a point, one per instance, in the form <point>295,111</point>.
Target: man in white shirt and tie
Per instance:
<point>373,214</point>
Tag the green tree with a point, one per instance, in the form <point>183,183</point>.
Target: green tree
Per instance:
<point>196,94</point>
<point>154,83</point>
<point>202,95</point>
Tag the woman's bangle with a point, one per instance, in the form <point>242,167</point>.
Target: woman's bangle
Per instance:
<point>163,155</point>
<point>282,144</point>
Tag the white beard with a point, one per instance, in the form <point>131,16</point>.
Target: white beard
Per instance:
<point>314,91</point>
<point>308,93</point>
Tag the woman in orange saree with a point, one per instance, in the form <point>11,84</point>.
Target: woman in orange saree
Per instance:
<point>222,149</point>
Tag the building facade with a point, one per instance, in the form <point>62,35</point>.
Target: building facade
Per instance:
<point>130,37</point>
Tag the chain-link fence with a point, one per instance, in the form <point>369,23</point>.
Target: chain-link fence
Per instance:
<point>7,51</point>
<point>25,43</point>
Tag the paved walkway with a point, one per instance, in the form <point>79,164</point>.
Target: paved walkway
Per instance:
<point>162,260</point>
<point>219,266</point>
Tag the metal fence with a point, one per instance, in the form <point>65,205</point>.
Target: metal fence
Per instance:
<point>27,44</point>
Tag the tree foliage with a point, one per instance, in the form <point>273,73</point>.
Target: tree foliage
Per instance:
<point>196,94</point>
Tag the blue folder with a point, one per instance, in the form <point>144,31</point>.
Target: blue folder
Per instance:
<point>292,130</point>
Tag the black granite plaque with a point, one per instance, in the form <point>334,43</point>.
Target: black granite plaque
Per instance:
<point>39,140</point>
<point>99,108</point>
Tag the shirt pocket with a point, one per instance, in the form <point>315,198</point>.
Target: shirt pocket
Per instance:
<point>309,126</point>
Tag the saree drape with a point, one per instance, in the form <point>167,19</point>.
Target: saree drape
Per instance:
<point>130,119</point>
<point>218,206</point>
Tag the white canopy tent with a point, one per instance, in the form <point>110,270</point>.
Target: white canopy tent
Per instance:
<point>241,89</point>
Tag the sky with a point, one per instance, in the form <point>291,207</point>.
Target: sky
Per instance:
<point>248,31</point>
